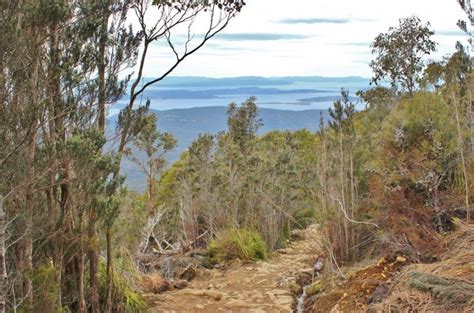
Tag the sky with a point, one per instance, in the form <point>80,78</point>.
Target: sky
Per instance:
<point>307,38</point>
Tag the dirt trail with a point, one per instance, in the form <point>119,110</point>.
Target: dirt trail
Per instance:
<point>250,287</point>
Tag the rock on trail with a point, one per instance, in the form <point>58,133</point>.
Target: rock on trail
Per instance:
<point>271,286</point>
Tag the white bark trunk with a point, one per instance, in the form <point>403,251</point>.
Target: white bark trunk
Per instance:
<point>3,269</point>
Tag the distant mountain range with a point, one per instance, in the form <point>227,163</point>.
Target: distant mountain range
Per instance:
<point>217,93</point>
<point>198,81</point>
<point>189,106</point>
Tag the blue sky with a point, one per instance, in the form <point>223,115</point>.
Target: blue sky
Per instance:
<point>308,38</point>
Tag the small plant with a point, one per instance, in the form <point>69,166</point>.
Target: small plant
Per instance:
<point>237,244</point>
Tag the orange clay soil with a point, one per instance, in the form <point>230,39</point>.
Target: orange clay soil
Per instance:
<point>360,289</point>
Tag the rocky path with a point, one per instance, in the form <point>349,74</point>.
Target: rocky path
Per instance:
<point>249,287</point>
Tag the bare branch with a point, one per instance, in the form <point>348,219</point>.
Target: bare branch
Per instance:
<point>347,216</point>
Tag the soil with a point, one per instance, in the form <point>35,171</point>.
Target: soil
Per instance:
<point>271,286</point>
<point>363,288</point>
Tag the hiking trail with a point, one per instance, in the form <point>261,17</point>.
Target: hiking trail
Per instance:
<point>263,286</point>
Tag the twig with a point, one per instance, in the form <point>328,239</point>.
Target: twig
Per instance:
<point>347,216</point>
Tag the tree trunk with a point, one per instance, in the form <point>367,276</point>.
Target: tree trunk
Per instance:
<point>109,284</point>
<point>3,268</point>
<point>101,64</point>
<point>80,268</point>
<point>29,205</point>
<point>51,138</point>
<point>470,109</point>
<point>150,184</point>
<point>93,262</point>
<point>343,196</point>
<point>56,243</point>
<point>463,159</point>
<point>93,241</point>
<point>28,253</point>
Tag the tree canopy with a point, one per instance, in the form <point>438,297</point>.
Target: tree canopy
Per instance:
<point>399,53</point>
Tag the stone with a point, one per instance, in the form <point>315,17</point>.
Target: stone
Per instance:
<point>286,302</point>
<point>379,294</point>
<point>238,303</point>
<point>401,259</point>
<point>180,284</point>
<point>188,274</point>
<point>215,295</point>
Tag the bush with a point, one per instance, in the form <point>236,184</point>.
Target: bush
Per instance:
<point>124,299</point>
<point>236,243</point>
<point>44,279</point>
<point>417,159</point>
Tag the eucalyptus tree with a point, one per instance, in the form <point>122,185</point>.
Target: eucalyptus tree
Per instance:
<point>400,52</point>
<point>154,144</point>
<point>22,113</point>
<point>243,122</point>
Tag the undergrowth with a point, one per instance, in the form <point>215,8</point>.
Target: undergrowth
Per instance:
<point>237,243</point>
<point>125,298</point>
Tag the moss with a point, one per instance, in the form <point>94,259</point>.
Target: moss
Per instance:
<point>314,288</point>
<point>237,244</point>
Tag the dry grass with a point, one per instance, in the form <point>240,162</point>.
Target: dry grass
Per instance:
<point>446,285</point>
<point>153,283</point>
<point>443,286</point>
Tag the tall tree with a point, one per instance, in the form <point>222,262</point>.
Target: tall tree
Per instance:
<point>243,122</point>
<point>400,52</point>
<point>155,145</point>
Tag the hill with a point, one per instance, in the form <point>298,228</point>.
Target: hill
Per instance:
<point>187,124</point>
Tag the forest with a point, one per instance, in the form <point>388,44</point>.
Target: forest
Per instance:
<point>395,179</point>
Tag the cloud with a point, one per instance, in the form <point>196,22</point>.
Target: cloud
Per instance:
<point>365,44</point>
<point>364,62</point>
<point>259,37</point>
<point>450,33</point>
<point>225,47</point>
<point>365,52</point>
<point>315,20</point>
<point>322,20</point>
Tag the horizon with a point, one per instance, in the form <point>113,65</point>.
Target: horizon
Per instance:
<point>258,76</point>
<point>285,93</point>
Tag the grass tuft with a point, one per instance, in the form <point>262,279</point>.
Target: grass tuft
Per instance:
<point>237,243</point>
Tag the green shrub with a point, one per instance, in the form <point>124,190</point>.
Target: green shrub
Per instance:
<point>125,298</point>
<point>44,279</point>
<point>237,244</point>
